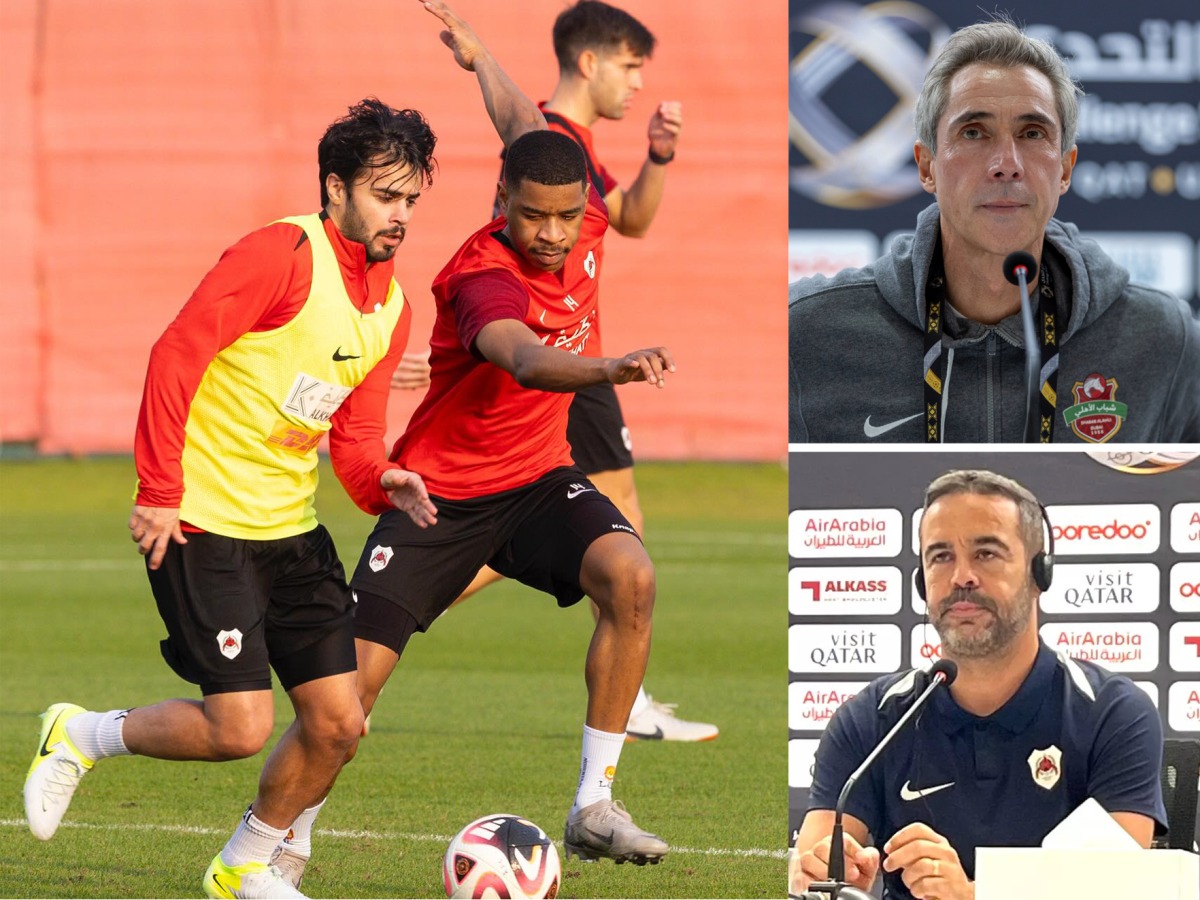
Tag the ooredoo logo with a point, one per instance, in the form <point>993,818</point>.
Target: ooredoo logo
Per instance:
<point>844,591</point>
<point>1185,587</point>
<point>1131,647</point>
<point>1100,530</point>
<point>817,533</point>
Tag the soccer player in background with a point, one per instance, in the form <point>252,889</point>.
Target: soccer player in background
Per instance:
<point>512,338</point>
<point>601,51</point>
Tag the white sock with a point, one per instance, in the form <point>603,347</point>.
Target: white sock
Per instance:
<point>641,702</point>
<point>598,766</point>
<point>97,735</point>
<point>299,838</point>
<point>253,841</point>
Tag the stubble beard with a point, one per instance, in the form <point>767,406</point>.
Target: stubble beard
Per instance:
<point>987,640</point>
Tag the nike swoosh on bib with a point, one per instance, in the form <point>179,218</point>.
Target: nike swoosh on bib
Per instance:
<point>907,793</point>
<point>873,431</point>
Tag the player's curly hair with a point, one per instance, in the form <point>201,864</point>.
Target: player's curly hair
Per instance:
<point>544,157</point>
<point>592,25</point>
<point>372,135</point>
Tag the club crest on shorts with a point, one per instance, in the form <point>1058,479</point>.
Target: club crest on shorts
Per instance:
<point>230,643</point>
<point>380,557</point>
<point>1046,766</point>
<point>1097,415</point>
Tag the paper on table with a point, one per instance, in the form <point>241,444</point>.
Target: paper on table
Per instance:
<point>1090,827</point>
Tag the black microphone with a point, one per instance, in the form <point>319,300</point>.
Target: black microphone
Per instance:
<point>944,671</point>
<point>1018,268</point>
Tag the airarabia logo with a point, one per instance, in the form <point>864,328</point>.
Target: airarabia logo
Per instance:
<point>1099,530</point>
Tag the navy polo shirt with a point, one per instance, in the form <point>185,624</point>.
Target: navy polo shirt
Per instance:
<point>1072,731</point>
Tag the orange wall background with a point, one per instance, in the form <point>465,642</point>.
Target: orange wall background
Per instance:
<point>140,138</point>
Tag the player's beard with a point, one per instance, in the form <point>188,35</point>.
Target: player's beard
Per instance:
<point>1007,623</point>
<point>355,229</point>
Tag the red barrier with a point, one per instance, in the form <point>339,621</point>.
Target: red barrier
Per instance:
<point>143,137</point>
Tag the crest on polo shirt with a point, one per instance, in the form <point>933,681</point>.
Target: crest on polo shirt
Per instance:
<point>1046,766</point>
<point>1097,415</point>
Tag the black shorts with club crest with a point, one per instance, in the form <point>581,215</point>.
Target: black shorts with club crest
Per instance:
<point>236,608</point>
<point>536,534</point>
<point>596,431</point>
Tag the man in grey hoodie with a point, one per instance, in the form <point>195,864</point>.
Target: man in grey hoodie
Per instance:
<point>927,343</point>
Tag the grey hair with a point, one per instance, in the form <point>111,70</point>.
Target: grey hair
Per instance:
<point>999,43</point>
<point>979,481</point>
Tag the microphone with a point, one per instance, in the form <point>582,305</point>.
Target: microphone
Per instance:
<point>944,671</point>
<point>1018,268</point>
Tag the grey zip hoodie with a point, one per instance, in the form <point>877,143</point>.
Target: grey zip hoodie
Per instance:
<point>855,347</point>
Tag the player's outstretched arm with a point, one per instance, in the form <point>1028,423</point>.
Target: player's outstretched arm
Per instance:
<point>514,347</point>
<point>632,210</point>
<point>510,110</point>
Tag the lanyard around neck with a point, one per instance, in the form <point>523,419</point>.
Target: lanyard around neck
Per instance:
<point>1049,333</point>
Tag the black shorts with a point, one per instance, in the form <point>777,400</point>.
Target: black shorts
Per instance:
<point>235,608</point>
<point>536,534</point>
<point>596,431</point>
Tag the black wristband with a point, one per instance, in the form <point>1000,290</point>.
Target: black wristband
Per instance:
<point>660,160</point>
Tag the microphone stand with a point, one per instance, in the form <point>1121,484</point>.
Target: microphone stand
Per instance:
<point>1017,268</point>
<point>944,671</point>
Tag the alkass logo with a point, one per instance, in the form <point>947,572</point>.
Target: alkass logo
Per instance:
<point>1131,647</point>
<point>839,590</point>
<point>1183,706</point>
<point>1185,587</point>
<point>1102,530</point>
<point>1184,641</point>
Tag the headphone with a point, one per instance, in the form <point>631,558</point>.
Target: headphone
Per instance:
<point>1041,567</point>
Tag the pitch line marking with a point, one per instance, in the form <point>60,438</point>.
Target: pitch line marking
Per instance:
<point>369,835</point>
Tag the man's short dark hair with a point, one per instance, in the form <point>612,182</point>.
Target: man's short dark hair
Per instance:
<point>372,135</point>
<point>592,25</point>
<point>544,157</point>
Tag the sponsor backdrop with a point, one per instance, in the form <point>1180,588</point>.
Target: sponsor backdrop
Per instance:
<point>856,70</point>
<point>1126,590</point>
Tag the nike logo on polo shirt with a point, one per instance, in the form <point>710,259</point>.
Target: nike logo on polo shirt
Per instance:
<point>873,431</point>
<point>907,793</point>
<point>338,357</point>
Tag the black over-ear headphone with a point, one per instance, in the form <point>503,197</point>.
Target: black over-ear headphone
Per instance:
<point>1041,567</point>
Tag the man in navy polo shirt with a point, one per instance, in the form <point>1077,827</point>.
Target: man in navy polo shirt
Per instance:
<point>1021,738</point>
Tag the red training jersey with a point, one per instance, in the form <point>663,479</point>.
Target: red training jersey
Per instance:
<point>478,432</point>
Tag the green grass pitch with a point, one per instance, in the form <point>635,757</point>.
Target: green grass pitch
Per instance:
<point>483,714</point>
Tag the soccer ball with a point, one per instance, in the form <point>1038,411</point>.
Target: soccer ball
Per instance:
<point>501,856</point>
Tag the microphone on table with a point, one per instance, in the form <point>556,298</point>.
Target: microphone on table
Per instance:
<point>1019,267</point>
<point>944,671</point>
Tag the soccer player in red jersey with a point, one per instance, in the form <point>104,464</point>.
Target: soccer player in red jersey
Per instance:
<point>601,51</point>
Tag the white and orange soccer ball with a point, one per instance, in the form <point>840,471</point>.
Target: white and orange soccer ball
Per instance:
<point>501,856</point>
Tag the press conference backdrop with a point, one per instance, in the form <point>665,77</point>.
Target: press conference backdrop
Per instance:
<point>856,70</point>
<point>1126,590</point>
